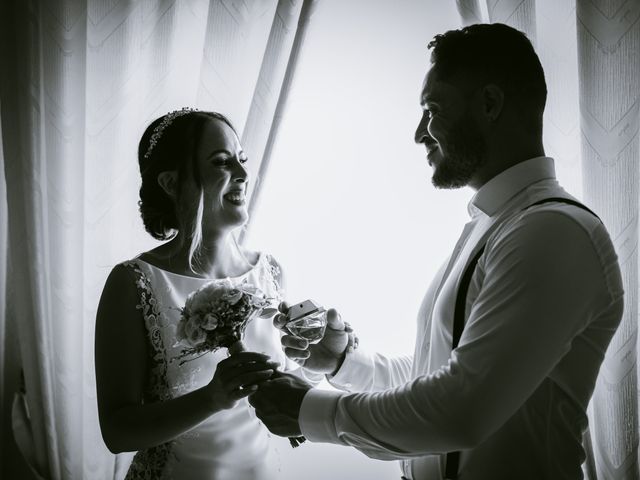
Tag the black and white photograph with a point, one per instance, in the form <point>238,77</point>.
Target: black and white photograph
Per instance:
<point>319,239</point>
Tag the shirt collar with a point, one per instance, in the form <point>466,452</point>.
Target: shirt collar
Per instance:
<point>504,186</point>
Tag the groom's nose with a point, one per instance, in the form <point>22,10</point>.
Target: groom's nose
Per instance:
<point>422,132</point>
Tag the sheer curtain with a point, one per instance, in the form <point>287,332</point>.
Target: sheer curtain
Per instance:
<point>80,81</point>
<point>590,50</point>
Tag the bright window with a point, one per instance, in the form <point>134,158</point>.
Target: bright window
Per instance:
<point>347,206</point>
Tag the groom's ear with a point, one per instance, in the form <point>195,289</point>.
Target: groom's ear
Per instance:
<point>168,181</point>
<point>492,101</point>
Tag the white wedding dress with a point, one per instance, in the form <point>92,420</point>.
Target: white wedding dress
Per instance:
<point>231,444</point>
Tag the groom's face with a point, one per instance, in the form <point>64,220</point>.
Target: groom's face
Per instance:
<point>455,145</point>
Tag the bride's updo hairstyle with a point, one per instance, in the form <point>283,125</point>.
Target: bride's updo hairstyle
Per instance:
<point>170,143</point>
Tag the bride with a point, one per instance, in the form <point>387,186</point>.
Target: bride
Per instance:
<point>191,420</point>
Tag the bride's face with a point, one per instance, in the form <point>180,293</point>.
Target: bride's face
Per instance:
<point>223,177</point>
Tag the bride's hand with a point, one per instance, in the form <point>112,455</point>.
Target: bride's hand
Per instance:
<point>237,377</point>
<point>325,356</point>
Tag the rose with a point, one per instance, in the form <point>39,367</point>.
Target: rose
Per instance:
<point>234,296</point>
<point>198,336</point>
<point>194,334</point>
<point>213,293</point>
<point>202,299</point>
<point>195,303</point>
<point>210,322</point>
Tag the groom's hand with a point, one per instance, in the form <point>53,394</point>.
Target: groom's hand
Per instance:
<point>325,356</point>
<point>277,403</point>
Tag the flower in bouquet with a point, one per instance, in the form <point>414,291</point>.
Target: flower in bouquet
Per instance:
<point>216,315</point>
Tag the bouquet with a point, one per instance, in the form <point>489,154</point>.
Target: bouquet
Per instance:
<point>216,316</point>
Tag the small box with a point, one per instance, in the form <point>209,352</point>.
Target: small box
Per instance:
<point>299,310</point>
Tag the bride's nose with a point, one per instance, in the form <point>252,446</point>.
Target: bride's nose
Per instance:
<point>240,173</point>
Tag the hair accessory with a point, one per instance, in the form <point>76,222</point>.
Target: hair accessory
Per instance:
<point>168,119</point>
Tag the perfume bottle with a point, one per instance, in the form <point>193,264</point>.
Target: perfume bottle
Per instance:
<point>307,320</point>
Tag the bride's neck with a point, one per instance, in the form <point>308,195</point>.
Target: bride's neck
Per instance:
<point>217,257</point>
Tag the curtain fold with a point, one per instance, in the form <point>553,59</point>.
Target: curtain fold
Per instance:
<point>81,80</point>
<point>268,105</point>
<point>4,361</point>
<point>469,11</point>
<point>608,34</point>
<point>269,84</point>
<point>10,368</point>
<point>520,14</point>
<point>43,141</point>
<point>235,45</point>
<point>558,52</point>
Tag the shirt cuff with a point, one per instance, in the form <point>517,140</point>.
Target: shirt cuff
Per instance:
<point>317,416</point>
<point>310,376</point>
<point>354,372</point>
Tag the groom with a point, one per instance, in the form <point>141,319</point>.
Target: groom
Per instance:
<point>514,327</point>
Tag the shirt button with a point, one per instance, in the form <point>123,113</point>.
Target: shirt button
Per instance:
<point>348,385</point>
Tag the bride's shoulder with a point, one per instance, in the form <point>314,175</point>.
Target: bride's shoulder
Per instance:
<point>122,284</point>
<point>125,274</point>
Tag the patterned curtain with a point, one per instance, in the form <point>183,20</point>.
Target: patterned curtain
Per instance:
<point>80,81</point>
<point>520,14</point>
<point>590,50</point>
<point>609,70</point>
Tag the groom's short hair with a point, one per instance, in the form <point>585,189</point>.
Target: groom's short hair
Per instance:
<point>493,53</point>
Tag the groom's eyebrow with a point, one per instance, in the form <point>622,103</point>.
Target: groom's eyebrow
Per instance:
<point>428,98</point>
<point>425,100</point>
<point>222,150</point>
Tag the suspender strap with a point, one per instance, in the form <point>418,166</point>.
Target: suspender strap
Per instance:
<point>568,201</point>
<point>453,458</point>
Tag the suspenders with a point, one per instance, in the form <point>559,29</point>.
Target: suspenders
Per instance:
<point>453,458</point>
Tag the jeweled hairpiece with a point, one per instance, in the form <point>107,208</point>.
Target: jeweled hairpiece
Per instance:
<point>166,121</point>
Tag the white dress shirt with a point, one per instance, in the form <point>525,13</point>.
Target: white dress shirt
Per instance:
<point>544,301</point>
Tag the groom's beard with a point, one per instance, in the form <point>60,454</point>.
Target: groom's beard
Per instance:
<point>466,153</point>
